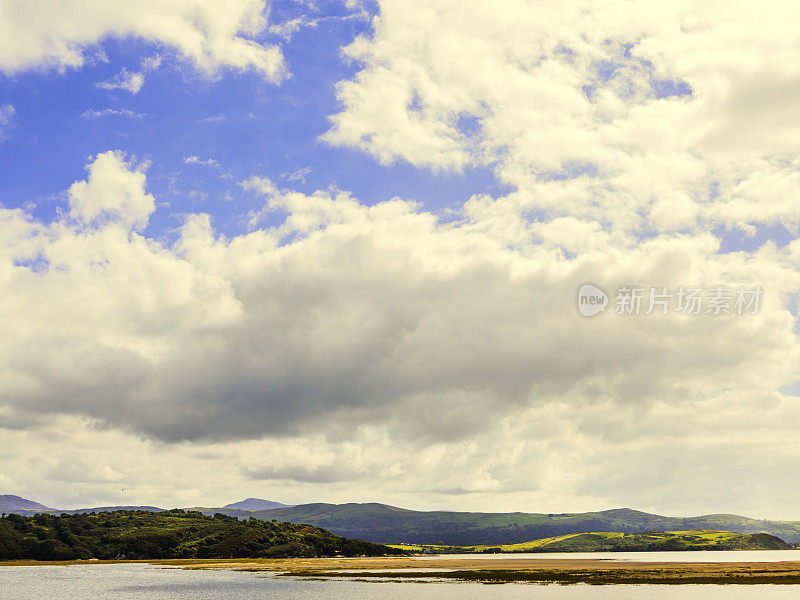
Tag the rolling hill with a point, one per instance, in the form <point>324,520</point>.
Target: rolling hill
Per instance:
<point>388,524</point>
<point>623,542</point>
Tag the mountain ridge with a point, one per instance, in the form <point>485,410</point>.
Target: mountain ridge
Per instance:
<point>12,502</point>
<point>257,504</point>
<point>386,524</point>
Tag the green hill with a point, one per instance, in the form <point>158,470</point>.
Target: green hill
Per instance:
<point>389,525</point>
<point>392,525</point>
<point>624,542</point>
<point>171,534</point>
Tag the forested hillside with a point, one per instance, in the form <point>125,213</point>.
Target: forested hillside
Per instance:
<point>170,534</point>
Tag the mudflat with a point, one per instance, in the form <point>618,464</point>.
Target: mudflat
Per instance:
<point>496,570</point>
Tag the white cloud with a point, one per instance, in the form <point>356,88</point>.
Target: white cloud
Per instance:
<point>124,80</point>
<point>110,112</point>
<point>288,28</point>
<point>7,113</point>
<point>210,163</point>
<point>220,118</point>
<point>112,194</point>
<point>212,36</point>
<point>298,176</point>
<point>194,160</point>
<point>131,81</point>
<point>655,104</point>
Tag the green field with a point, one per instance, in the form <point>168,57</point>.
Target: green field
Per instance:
<point>619,542</point>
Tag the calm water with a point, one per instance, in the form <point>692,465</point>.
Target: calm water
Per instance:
<point>148,582</point>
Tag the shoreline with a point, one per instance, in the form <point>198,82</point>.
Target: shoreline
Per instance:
<point>565,571</point>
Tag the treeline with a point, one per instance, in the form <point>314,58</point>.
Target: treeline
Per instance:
<point>135,535</point>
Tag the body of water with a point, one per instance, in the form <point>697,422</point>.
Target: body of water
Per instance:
<point>152,582</point>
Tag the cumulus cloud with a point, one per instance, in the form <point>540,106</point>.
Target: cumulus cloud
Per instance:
<point>210,35</point>
<point>647,116</point>
<point>112,194</point>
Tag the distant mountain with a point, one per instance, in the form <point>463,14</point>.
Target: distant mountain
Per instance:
<point>105,509</point>
<point>9,502</point>
<point>16,505</point>
<point>386,524</point>
<point>391,525</point>
<point>257,504</point>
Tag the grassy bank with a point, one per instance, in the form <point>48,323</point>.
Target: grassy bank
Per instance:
<point>619,542</point>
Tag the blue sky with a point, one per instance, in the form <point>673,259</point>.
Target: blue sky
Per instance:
<point>237,124</point>
<point>247,125</point>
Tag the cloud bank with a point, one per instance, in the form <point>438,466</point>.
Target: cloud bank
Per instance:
<point>352,313</point>
<point>647,116</point>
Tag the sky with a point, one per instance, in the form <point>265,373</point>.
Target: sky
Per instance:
<point>332,252</point>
